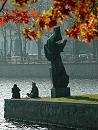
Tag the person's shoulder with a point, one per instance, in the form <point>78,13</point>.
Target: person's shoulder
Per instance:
<point>36,87</point>
<point>18,88</point>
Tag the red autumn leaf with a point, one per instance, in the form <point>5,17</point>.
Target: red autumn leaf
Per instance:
<point>4,0</point>
<point>2,21</point>
<point>42,23</point>
<point>25,11</point>
<point>52,23</point>
<point>61,10</point>
<point>93,1</point>
<point>34,1</point>
<point>34,13</point>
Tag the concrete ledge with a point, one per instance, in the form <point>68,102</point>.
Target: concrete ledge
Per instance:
<point>75,115</point>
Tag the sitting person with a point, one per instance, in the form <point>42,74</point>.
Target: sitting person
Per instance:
<point>15,92</point>
<point>34,92</point>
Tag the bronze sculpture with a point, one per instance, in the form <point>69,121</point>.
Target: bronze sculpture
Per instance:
<point>53,48</point>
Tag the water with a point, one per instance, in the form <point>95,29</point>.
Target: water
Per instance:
<point>83,86</point>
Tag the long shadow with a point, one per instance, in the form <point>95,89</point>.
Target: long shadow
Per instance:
<point>83,98</point>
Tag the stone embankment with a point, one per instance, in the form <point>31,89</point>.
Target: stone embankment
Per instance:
<point>75,115</point>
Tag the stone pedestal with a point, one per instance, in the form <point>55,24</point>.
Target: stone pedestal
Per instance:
<point>60,92</point>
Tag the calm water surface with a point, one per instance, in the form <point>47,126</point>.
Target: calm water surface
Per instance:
<point>83,86</point>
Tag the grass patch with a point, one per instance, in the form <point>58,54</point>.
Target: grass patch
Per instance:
<point>87,98</point>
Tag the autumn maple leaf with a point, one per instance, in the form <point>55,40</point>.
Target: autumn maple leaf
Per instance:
<point>34,13</point>
<point>2,21</point>
<point>4,0</point>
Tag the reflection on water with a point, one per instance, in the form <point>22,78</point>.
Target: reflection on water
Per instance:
<point>77,87</point>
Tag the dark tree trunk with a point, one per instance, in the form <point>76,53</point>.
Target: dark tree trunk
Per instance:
<point>39,44</point>
<point>4,36</point>
<point>95,50</point>
<point>20,42</point>
<point>11,42</point>
<point>24,48</point>
<point>76,50</point>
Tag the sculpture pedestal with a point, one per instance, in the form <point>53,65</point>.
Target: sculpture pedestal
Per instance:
<point>60,92</point>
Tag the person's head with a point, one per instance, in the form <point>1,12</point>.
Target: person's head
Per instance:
<point>57,33</point>
<point>15,85</point>
<point>33,84</point>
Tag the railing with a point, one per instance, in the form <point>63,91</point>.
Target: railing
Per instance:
<point>26,60</point>
<point>23,60</point>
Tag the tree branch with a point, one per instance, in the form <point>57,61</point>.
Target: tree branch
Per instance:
<point>3,5</point>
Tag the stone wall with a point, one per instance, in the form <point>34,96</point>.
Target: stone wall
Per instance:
<point>86,70</point>
<point>74,115</point>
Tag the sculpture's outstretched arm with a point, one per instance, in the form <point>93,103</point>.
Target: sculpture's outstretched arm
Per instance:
<point>62,45</point>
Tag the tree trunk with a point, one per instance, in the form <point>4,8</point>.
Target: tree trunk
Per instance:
<point>24,48</point>
<point>4,36</point>
<point>96,44</point>
<point>76,50</point>
<point>39,44</point>
<point>95,50</point>
<point>11,42</point>
<point>20,41</point>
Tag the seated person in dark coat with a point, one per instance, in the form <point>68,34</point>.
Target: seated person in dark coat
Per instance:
<point>15,92</point>
<point>34,92</point>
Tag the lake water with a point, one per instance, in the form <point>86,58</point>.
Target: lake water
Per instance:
<point>77,86</point>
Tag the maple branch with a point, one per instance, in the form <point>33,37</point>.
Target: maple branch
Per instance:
<point>3,5</point>
<point>94,6</point>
